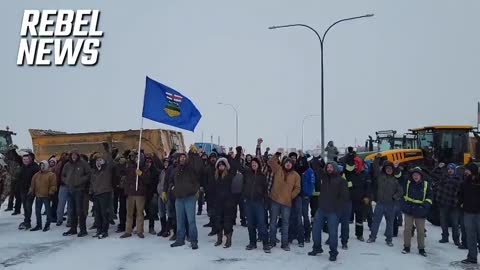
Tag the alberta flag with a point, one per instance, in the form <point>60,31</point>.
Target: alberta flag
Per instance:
<point>165,105</point>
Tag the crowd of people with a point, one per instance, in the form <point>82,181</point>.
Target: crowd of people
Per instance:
<point>298,195</point>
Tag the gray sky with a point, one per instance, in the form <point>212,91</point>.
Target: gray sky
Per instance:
<point>415,63</point>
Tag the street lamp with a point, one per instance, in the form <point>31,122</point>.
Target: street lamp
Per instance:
<point>303,125</point>
<point>322,40</point>
<point>236,119</point>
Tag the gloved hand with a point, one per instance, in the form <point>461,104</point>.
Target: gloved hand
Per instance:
<point>164,197</point>
<point>139,172</point>
<point>193,149</point>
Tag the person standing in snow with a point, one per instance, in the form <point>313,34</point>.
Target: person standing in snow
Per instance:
<point>469,198</point>
<point>44,185</point>
<point>209,187</point>
<point>333,194</point>
<point>151,178</point>
<point>359,196</point>
<point>76,176</point>
<point>446,197</point>
<point>225,204</point>
<point>302,203</point>
<point>255,194</point>
<point>185,187</point>
<point>27,171</point>
<point>286,186</point>
<point>386,191</point>
<point>101,186</point>
<point>163,200</point>
<point>415,205</point>
<point>135,197</point>
<point>332,152</point>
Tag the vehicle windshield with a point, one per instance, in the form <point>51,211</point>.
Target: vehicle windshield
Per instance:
<point>425,140</point>
<point>3,144</point>
<point>452,145</point>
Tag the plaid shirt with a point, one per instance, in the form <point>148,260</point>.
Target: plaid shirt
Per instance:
<point>447,191</point>
<point>269,174</point>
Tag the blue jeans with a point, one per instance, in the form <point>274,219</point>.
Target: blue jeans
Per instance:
<point>472,227</point>
<point>255,211</point>
<point>185,212</point>
<point>450,215</point>
<point>301,205</point>
<point>39,202</point>
<point>345,222</point>
<point>318,222</point>
<point>387,211</point>
<point>284,211</point>
<point>62,201</point>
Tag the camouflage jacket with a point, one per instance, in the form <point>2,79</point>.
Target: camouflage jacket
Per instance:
<point>5,185</point>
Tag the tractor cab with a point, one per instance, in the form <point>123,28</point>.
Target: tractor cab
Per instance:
<point>389,140</point>
<point>449,144</point>
<point>5,140</point>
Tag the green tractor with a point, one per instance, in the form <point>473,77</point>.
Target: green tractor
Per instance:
<point>5,140</point>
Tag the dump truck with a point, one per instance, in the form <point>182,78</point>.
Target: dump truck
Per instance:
<point>154,141</point>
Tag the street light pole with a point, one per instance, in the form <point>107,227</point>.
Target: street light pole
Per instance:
<point>236,119</point>
<point>303,126</point>
<point>322,40</point>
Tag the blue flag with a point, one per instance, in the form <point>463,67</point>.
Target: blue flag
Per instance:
<point>164,105</point>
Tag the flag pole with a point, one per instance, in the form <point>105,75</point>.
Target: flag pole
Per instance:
<point>138,157</point>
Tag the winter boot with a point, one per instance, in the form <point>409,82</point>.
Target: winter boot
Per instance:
<point>443,241</point>
<point>194,245</point>
<point>126,235</point>
<point>243,223</point>
<point>406,250</point>
<point>228,243</point>
<point>389,243</point>
<point>70,232</point>
<point>140,235</point>
<point>120,229</point>
<point>37,228</point>
<point>360,238</point>
<point>94,227</point>
<point>82,234</point>
<point>219,239</point>
<point>469,261</point>
<point>315,252</point>
<point>174,237</point>
<point>345,246</point>
<point>212,232</point>
<point>251,246</point>
<point>152,231</point>
<point>266,247</point>
<point>370,240</point>
<point>46,228</point>
<point>103,235</point>
<point>177,244</point>
<point>422,252</point>
<point>209,224</point>
<point>332,258</point>
<point>285,247</point>
<point>163,224</point>
<point>97,234</point>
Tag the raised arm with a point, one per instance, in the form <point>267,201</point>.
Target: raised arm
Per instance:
<point>274,163</point>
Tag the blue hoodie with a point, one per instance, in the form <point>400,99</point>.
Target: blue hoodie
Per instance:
<point>308,182</point>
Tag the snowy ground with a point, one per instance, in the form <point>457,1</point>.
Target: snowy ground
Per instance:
<point>50,250</point>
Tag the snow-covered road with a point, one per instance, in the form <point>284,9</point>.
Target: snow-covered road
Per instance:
<point>50,250</point>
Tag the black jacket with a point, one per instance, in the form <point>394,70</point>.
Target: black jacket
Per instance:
<point>255,185</point>
<point>333,192</point>
<point>359,185</point>
<point>186,178</point>
<point>469,195</point>
<point>25,176</point>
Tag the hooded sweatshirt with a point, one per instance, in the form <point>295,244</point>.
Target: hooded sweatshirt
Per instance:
<point>387,188</point>
<point>469,196</point>
<point>333,191</point>
<point>44,182</point>
<point>76,174</point>
<point>101,180</point>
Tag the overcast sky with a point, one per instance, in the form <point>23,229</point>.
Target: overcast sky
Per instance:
<point>414,63</point>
